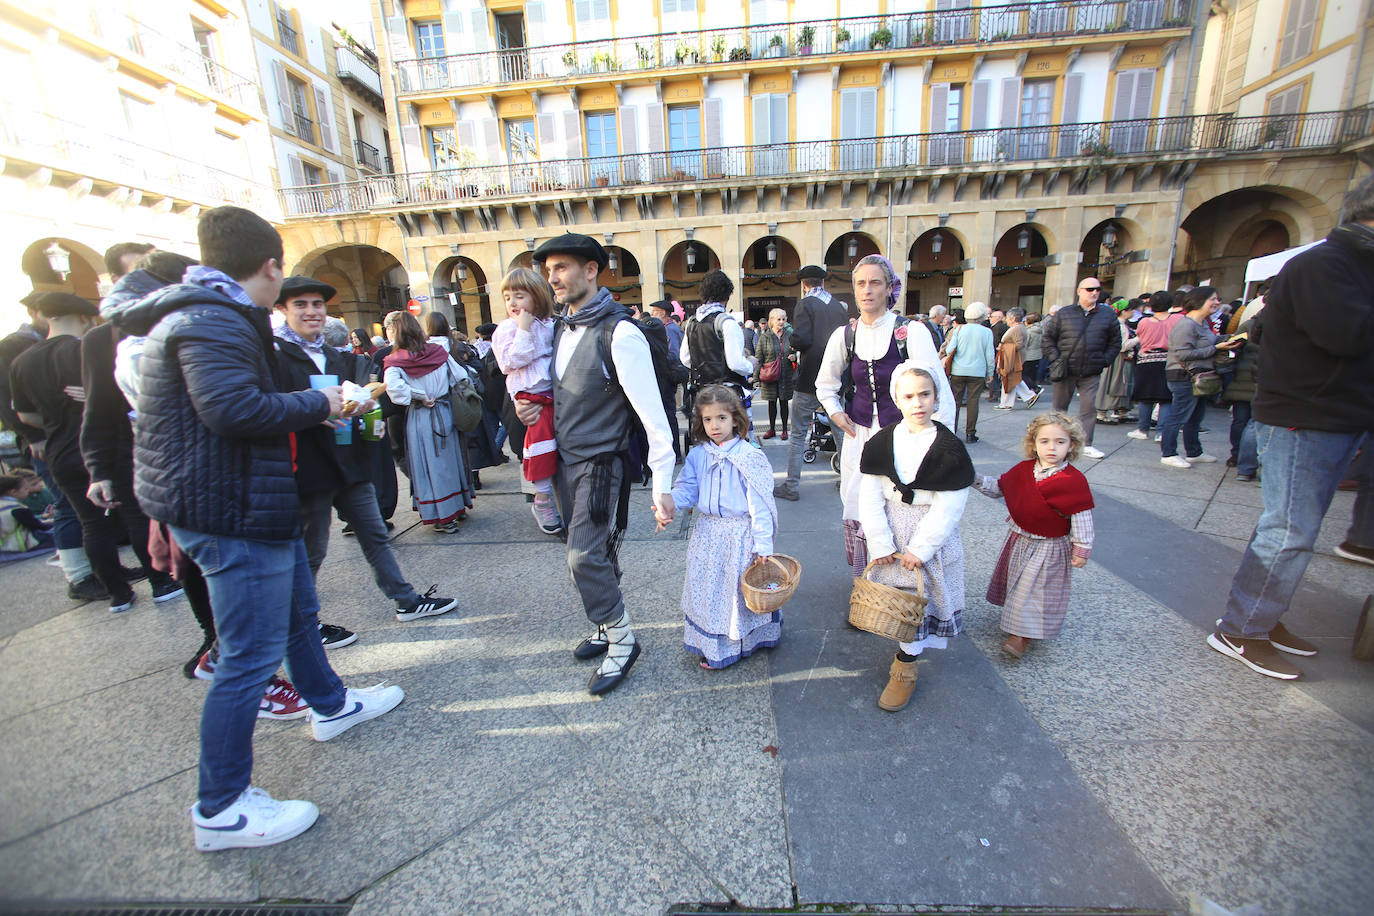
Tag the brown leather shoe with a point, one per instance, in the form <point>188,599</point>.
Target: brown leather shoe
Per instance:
<point>770,434</point>
<point>1016,646</point>
<point>901,681</point>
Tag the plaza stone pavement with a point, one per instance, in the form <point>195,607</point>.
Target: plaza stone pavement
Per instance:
<point>1124,766</point>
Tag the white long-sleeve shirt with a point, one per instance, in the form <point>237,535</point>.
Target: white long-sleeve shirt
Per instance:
<point>871,342</point>
<point>524,355</point>
<point>721,490</point>
<point>732,335</point>
<point>634,367</point>
<point>946,506</point>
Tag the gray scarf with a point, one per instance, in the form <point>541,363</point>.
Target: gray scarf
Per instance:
<point>602,305</point>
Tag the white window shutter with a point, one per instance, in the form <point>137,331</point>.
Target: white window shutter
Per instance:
<point>415,153</point>
<point>762,120</point>
<point>293,163</point>
<point>491,137</point>
<point>288,116</point>
<point>655,114</point>
<point>336,176</point>
<point>324,105</point>
<point>548,141</point>
<point>778,131</point>
<point>572,134</point>
<point>1144,94</point>
<point>982,91</point>
<point>467,137</point>
<point>711,128</point>
<point>1295,42</point>
<point>1011,101</point>
<point>849,114</point>
<point>939,105</point>
<point>398,36</point>
<point>454,32</point>
<point>1125,95</point>
<point>868,112</point>
<point>1068,136</point>
<point>534,23</point>
<point>628,128</point>
<point>479,29</point>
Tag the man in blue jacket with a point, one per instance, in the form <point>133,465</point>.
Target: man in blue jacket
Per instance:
<point>213,461</point>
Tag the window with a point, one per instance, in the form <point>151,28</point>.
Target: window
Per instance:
<point>591,10</point>
<point>313,174</point>
<point>429,38</point>
<point>286,34</point>
<point>684,133</point>
<point>1282,124</point>
<point>600,130</point>
<point>1037,107</point>
<point>443,147</point>
<point>520,143</point>
<point>228,153</point>
<point>678,6</point>
<point>1135,92</point>
<point>1299,27</point>
<point>858,122</point>
<point>300,108</point>
<point>946,115</point>
<point>770,127</point>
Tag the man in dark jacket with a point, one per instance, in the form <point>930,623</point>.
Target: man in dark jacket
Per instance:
<point>331,473</point>
<point>213,461</point>
<point>1079,342</point>
<point>1313,407</point>
<point>813,322</point>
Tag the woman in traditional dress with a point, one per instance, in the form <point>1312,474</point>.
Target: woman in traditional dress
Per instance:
<point>419,374</point>
<point>868,350</point>
<point>1114,388</point>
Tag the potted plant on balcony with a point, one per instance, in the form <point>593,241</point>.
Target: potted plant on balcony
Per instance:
<point>740,53</point>
<point>1275,132</point>
<point>646,56</point>
<point>922,36</point>
<point>685,54</point>
<point>804,39</point>
<point>881,38</point>
<point>841,39</point>
<point>776,46</point>
<point>601,60</point>
<point>570,61</point>
<point>718,48</point>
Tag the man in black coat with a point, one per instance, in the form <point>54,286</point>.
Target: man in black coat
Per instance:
<point>816,317</point>
<point>1079,342</point>
<point>334,462</point>
<point>1313,407</point>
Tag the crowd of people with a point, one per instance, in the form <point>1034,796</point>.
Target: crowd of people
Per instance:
<point>218,419</point>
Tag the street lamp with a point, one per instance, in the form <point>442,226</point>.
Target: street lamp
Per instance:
<point>1109,237</point>
<point>691,259</point>
<point>1023,241</point>
<point>462,272</point>
<point>937,244</point>
<point>59,259</point>
<point>772,253</point>
<point>612,262</point>
<point>852,249</point>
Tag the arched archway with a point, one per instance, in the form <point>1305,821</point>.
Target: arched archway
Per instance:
<point>461,284</point>
<point>840,258</point>
<point>1218,235</point>
<point>1018,275</point>
<point>523,259</point>
<point>370,281</point>
<point>621,276</point>
<point>684,266</point>
<point>769,280</point>
<point>84,268</point>
<point>1108,252</point>
<point>932,270</point>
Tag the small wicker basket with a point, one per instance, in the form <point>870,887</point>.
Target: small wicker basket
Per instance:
<point>766,586</point>
<point>887,611</point>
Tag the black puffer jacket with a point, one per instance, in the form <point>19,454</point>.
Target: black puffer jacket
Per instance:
<point>1080,345</point>
<point>211,451</point>
<point>1316,369</point>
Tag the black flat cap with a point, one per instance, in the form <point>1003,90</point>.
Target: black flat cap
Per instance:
<point>485,330</point>
<point>299,286</point>
<point>31,300</point>
<point>582,246</point>
<point>56,305</point>
<point>811,272</point>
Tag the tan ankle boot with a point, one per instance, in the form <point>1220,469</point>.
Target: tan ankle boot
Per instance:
<point>901,681</point>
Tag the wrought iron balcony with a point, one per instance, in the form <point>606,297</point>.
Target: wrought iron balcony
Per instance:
<point>355,68</point>
<point>972,25</point>
<point>1090,148</point>
<point>287,35</point>
<point>305,128</point>
<point>367,155</point>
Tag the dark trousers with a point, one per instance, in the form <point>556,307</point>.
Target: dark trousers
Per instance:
<point>587,494</point>
<point>967,388</point>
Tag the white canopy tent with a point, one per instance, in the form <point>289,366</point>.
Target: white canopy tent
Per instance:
<point>1265,268</point>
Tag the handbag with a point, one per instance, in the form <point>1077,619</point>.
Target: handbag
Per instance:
<point>771,371</point>
<point>1206,383</point>
<point>465,404</point>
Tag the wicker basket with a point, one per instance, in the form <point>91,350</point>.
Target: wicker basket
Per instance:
<point>886,611</point>
<point>780,571</point>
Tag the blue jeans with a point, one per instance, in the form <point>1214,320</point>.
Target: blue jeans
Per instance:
<point>1243,447</point>
<point>1185,412</point>
<point>66,527</point>
<point>265,608</point>
<point>1301,470</point>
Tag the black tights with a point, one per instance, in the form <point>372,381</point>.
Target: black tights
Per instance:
<point>773,412</point>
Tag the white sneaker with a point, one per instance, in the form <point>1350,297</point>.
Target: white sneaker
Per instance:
<point>1090,452</point>
<point>360,704</point>
<point>1175,461</point>
<point>1137,434</point>
<point>1204,458</point>
<point>254,819</point>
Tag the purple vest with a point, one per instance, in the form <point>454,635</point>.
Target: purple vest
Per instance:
<point>872,381</point>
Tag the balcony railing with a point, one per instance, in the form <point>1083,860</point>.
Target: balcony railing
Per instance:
<point>367,154</point>
<point>966,26</point>
<point>1092,146</point>
<point>71,147</point>
<point>352,66</point>
<point>189,63</point>
<point>305,128</point>
<point>287,35</point>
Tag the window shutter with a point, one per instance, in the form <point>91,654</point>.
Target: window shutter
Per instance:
<point>982,90</point>
<point>1125,94</point>
<point>293,163</point>
<point>453,33</point>
<point>629,130</point>
<point>601,9</point>
<point>868,112</point>
<point>778,131</point>
<point>288,117</point>
<point>413,147</point>
<point>1068,136</point>
<point>479,29</point>
<point>711,126</point>
<point>1144,94</point>
<point>849,114</point>
<point>762,120</point>
<point>335,176</point>
<point>1296,41</point>
<point>572,134</point>
<point>657,143</point>
<point>548,141</point>
<point>467,137</point>
<point>939,105</point>
<point>398,35</point>
<point>534,23</point>
<point>324,104</point>
<point>1011,101</point>
<point>491,137</point>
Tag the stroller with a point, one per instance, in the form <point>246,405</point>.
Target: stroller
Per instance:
<point>821,438</point>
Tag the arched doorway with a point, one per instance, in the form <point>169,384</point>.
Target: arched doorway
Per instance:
<point>1018,275</point>
<point>840,258</point>
<point>462,284</point>
<point>933,272</point>
<point>621,276</point>
<point>769,277</point>
<point>684,266</point>
<point>1222,234</point>
<point>83,267</point>
<point>523,259</point>
<point>370,281</point>
<point>1108,253</point>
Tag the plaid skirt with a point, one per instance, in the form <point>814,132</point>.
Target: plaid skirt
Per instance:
<point>1031,583</point>
<point>719,627</point>
<point>942,577</point>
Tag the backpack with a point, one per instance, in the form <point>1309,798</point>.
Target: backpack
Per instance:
<point>637,449</point>
<point>847,376</point>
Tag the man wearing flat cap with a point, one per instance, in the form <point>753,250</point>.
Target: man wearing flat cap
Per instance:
<point>45,384</point>
<point>813,322</point>
<point>595,395</point>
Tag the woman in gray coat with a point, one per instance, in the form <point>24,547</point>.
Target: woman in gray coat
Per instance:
<point>775,344</point>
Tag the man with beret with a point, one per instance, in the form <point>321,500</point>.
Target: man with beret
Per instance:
<point>815,319</point>
<point>593,404</point>
<point>331,474</point>
<point>45,384</point>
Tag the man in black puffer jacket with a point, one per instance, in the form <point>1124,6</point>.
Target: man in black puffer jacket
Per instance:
<point>213,461</point>
<point>1078,343</point>
<point>1313,407</point>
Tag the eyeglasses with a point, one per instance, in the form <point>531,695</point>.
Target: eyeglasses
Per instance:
<point>1090,289</point>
